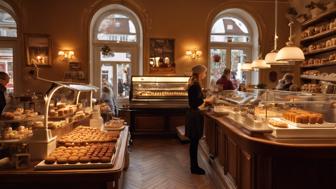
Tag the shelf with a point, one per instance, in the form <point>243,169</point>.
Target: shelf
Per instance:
<point>331,63</point>
<point>317,78</point>
<point>318,36</point>
<point>319,17</point>
<point>23,140</point>
<point>320,51</point>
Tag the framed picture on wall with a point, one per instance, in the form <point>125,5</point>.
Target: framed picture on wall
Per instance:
<point>37,49</point>
<point>161,57</point>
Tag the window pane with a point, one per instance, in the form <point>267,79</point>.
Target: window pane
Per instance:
<point>117,27</point>
<point>107,76</point>
<point>123,76</point>
<point>229,29</point>
<point>7,25</point>
<point>229,38</point>
<point>238,56</point>
<point>116,57</point>
<point>218,63</point>
<point>6,65</point>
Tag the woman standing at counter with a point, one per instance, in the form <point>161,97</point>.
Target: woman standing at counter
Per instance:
<point>194,118</point>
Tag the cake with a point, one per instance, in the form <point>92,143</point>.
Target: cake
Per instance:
<point>297,115</point>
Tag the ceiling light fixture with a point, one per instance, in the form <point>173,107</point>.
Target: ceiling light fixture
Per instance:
<point>270,57</point>
<point>290,52</point>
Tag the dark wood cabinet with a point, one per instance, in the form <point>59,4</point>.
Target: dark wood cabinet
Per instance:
<point>156,120</point>
<point>256,162</point>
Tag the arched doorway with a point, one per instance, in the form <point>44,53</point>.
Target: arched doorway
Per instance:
<point>116,49</point>
<point>8,43</point>
<point>233,40</point>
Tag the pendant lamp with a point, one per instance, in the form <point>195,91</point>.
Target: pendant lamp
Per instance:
<point>246,67</point>
<point>270,57</point>
<point>260,64</point>
<point>290,52</point>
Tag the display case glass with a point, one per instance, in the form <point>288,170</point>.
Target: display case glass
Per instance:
<point>159,88</point>
<point>288,114</point>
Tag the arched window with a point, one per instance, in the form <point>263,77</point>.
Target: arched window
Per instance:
<point>8,40</point>
<point>233,40</point>
<point>116,38</point>
<point>117,27</point>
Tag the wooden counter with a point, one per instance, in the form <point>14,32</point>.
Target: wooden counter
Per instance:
<point>260,162</point>
<point>66,179</point>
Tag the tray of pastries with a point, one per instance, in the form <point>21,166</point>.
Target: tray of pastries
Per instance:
<point>82,135</point>
<point>20,115</point>
<point>306,119</point>
<point>283,128</point>
<point>61,110</point>
<point>19,134</point>
<point>93,156</point>
<point>115,124</point>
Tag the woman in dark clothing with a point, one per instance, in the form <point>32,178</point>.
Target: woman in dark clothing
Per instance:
<point>225,81</point>
<point>4,79</point>
<point>194,118</point>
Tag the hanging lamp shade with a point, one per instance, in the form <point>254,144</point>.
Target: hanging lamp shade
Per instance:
<point>246,67</point>
<point>260,64</point>
<point>270,58</point>
<point>290,52</point>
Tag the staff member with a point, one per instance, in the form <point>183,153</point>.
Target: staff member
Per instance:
<point>4,79</point>
<point>225,81</point>
<point>194,118</point>
<point>286,83</point>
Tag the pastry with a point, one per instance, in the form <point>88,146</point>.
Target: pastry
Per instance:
<point>60,105</point>
<point>62,160</point>
<point>84,159</point>
<point>50,160</point>
<point>8,115</point>
<point>95,159</point>
<point>279,124</point>
<point>73,159</point>
<point>53,113</point>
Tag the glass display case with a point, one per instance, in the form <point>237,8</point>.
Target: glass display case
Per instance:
<point>287,114</point>
<point>159,88</point>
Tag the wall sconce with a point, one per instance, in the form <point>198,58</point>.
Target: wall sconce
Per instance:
<point>194,54</point>
<point>66,54</point>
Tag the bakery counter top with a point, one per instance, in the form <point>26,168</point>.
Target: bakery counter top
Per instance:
<point>257,160</point>
<point>158,105</point>
<point>259,134</point>
<point>72,178</point>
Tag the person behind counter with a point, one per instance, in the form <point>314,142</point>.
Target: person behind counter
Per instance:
<point>225,81</point>
<point>109,98</point>
<point>286,83</point>
<point>234,80</point>
<point>4,79</point>
<point>194,117</point>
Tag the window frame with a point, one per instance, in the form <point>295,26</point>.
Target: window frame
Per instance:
<point>136,48</point>
<point>12,42</point>
<point>121,12</point>
<point>248,46</point>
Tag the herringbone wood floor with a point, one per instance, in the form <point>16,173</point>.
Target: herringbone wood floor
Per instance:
<point>162,164</point>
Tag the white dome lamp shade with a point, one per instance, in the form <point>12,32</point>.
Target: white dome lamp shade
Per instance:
<point>290,52</point>
<point>270,59</point>
<point>246,67</point>
<point>260,64</point>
